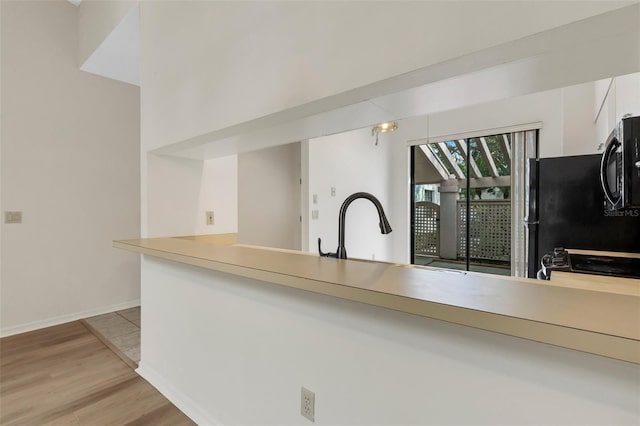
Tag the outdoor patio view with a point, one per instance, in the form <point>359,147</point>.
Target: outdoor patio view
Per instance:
<point>444,234</point>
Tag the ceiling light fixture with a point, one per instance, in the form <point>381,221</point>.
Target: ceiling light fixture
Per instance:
<point>383,128</point>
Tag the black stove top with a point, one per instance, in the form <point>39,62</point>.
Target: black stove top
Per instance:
<point>605,265</point>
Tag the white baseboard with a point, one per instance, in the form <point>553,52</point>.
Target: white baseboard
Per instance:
<point>36,325</point>
<point>177,398</point>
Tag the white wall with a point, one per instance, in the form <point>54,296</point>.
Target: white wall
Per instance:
<point>229,350</point>
<point>218,193</point>
<point>269,188</point>
<point>70,163</point>
<point>210,65</point>
<point>181,191</point>
<point>545,107</point>
<point>350,162</point>
<point>579,135</point>
<point>604,108</point>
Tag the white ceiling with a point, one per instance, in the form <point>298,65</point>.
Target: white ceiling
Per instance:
<point>75,2</point>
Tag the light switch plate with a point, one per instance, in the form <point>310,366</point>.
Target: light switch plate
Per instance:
<point>12,217</point>
<point>314,214</point>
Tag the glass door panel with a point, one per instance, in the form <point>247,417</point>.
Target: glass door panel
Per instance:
<point>468,199</point>
<point>488,222</point>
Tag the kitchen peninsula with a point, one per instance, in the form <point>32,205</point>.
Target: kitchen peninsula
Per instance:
<point>603,323</point>
<point>218,312</point>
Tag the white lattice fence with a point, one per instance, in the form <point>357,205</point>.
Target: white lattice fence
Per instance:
<point>427,229</point>
<point>490,231</point>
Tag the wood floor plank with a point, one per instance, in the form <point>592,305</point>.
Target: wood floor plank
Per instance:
<point>68,420</point>
<point>110,408</point>
<point>64,375</point>
<point>166,415</point>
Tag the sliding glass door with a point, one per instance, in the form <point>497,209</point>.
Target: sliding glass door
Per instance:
<point>469,196</point>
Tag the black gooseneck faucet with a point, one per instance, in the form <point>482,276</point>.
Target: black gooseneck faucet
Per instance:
<point>385,228</point>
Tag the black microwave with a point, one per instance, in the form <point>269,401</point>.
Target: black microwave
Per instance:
<point>620,166</point>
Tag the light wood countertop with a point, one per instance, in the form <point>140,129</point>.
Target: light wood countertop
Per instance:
<point>627,286</point>
<point>558,312</point>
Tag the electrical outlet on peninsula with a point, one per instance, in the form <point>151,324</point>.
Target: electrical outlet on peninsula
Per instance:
<point>308,404</point>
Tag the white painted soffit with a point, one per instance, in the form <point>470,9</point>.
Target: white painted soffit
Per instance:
<point>602,46</point>
<point>118,56</point>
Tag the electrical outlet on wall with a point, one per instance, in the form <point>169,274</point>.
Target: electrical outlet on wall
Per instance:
<point>308,404</point>
<point>209,218</point>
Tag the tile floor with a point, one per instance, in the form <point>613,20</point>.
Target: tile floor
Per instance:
<point>122,329</point>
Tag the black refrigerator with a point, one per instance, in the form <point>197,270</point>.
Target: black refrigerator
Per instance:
<point>567,209</point>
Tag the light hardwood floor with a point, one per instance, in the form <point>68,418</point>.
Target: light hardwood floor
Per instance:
<point>64,375</point>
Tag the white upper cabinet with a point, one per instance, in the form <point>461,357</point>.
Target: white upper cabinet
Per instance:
<point>615,97</point>
<point>627,95</point>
